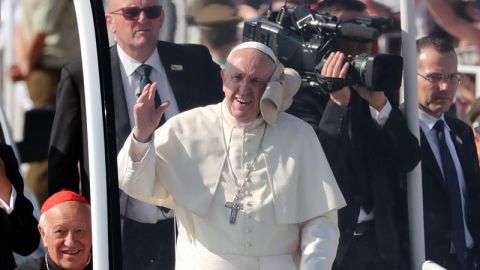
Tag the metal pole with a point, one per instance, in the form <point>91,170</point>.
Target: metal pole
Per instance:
<point>96,146</point>
<point>414,178</point>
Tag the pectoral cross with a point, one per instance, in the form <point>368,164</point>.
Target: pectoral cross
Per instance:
<point>234,206</point>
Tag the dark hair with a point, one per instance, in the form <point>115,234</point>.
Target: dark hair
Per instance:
<point>219,35</point>
<point>332,6</point>
<point>439,44</point>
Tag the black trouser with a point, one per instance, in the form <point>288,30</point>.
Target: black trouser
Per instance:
<point>363,252</point>
<point>148,246</point>
<point>451,262</point>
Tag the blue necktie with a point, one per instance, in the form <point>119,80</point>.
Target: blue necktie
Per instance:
<point>144,72</point>
<point>451,180</point>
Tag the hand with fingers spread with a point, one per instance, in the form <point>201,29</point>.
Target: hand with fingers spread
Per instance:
<point>337,67</point>
<point>146,116</point>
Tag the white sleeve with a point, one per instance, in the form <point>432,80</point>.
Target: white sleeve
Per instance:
<point>10,206</point>
<point>381,116</point>
<point>138,149</point>
<point>319,242</point>
<point>136,171</point>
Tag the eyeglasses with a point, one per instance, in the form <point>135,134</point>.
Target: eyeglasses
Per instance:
<point>132,13</point>
<point>436,78</point>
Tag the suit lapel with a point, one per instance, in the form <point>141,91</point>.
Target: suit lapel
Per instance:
<point>429,163</point>
<point>122,120</point>
<point>175,71</point>
<point>459,148</point>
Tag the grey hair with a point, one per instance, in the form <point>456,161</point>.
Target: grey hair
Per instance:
<point>42,222</point>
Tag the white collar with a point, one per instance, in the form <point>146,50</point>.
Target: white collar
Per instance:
<point>130,64</point>
<point>427,121</point>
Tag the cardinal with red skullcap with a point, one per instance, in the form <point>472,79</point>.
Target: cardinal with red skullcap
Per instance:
<point>65,228</point>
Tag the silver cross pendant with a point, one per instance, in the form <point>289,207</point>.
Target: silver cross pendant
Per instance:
<point>234,206</point>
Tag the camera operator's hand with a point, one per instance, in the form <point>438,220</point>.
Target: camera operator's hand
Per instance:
<point>336,67</point>
<point>376,99</point>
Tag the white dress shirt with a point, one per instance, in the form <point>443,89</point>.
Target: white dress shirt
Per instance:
<point>427,122</point>
<point>136,209</point>
<point>8,207</point>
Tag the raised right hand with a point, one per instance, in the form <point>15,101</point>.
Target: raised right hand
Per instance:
<point>336,67</point>
<point>146,116</point>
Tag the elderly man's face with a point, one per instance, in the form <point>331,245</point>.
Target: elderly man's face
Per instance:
<point>67,234</point>
<point>244,80</point>
<point>136,35</point>
<point>435,97</point>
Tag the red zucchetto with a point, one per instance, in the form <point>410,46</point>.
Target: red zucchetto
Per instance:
<point>61,197</point>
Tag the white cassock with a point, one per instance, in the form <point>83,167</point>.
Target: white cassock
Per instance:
<point>289,214</point>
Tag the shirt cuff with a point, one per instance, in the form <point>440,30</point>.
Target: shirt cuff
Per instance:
<point>138,149</point>
<point>9,207</point>
<point>381,116</point>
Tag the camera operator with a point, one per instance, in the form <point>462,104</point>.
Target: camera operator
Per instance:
<point>366,141</point>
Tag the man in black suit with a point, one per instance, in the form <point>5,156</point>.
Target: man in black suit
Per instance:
<point>450,170</point>
<point>366,141</point>
<point>17,223</point>
<point>186,76</point>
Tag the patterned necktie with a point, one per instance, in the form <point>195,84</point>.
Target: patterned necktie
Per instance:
<point>144,72</point>
<point>451,180</point>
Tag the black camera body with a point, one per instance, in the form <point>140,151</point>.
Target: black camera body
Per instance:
<point>302,39</point>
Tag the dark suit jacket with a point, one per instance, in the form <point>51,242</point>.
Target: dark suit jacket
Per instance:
<point>39,264</point>
<point>19,229</point>
<point>362,155</point>
<point>198,84</point>
<point>435,195</point>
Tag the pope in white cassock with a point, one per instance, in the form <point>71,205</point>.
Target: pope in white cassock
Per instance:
<point>250,184</point>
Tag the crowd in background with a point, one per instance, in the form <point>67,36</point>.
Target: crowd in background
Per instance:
<point>45,41</point>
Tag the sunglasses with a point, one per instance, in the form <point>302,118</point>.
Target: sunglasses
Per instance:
<point>132,13</point>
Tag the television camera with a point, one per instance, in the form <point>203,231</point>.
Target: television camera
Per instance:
<point>302,39</point>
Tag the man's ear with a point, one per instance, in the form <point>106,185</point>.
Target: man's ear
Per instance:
<point>222,74</point>
<point>110,23</point>
<point>162,18</point>
<point>42,235</point>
